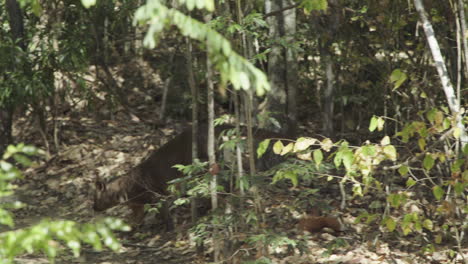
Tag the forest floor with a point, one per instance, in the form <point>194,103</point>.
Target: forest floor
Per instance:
<point>62,188</point>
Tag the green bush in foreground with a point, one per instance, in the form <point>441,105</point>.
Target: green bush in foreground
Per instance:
<point>49,236</point>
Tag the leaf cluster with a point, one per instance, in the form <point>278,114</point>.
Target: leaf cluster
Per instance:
<point>48,236</point>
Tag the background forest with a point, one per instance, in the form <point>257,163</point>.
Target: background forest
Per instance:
<point>363,156</point>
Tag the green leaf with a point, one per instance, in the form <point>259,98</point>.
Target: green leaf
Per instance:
<point>380,124</point>
<point>338,159</point>
<point>292,176</point>
<point>410,182</point>
<point>422,143</point>
<point>459,188</point>
<point>22,159</point>
<point>348,159</point>
<point>357,189</point>
<point>391,224</point>
<point>465,149</point>
<point>36,8</point>
<point>368,150</point>
<point>88,3</point>
<point>438,192</point>
<point>403,170</point>
<point>385,141</point>
<point>287,149</point>
<point>390,152</point>
<point>456,132</point>
<point>311,5</point>
<point>428,162</point>
<point>326,144</point>
<point>262,147</point>
<point>373,124</point>
<point>318,156</point>
<point>244,81</point>
<point>397,78</point>
<point>427,223</point>
<point>303,143</point>
<point>278,147</point>
<point>430,115</point>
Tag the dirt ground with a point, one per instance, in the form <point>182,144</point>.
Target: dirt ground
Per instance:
<point>61,188</point>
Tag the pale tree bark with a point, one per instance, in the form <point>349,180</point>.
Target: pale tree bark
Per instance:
<point>461,10</point>
<point>281,99</point>
<point>240,169</point>
<point>439,63</point>
<point>329,106</point>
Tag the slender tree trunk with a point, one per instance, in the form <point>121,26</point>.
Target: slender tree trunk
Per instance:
<point>15,19</point>
<point>328,111</point>
<point>291,69</point>
<point>194,92</point>
<point>277,97</point>
<point>6,122</point>
<point>211,147</point>
<point>442,71</point>
<point>461,10</point>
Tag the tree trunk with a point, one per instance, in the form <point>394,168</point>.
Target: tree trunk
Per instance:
<point>328,111</point>
<point>194,92</point>
<point>15,19</point>
<point>291,69</point>
<point>6,121</point>
<point>277,97</point>
<point>211,147</point>
<point>453,102</point>
<point>461,10</point>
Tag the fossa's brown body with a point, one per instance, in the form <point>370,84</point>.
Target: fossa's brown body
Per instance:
<point>148,181</point>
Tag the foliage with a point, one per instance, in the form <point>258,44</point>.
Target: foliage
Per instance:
<point>361,162</point>
<point>232,67</point>
<point>49,235</point>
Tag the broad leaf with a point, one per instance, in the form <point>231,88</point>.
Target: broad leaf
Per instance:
<point>278,147</point>
<point>318,157</point>
<point>428,162</point>
<point>438,192</point>
<point>262,147</point>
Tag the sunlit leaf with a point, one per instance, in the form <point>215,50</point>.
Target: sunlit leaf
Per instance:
<point>303,143</point>
<point>368,150</point>
<point>348,159</point>
<point>305,156</point>
<point>427,223</point>
<point>385,141</point>
<point>373,124</point>
<point>88,3</point>
<point>287,149</point>
<point>326,144</point>
<point>456,132</point>
<point>380,124</point>
<point>278,147</point>
<point>390,152</point>
<point>262,147</point>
